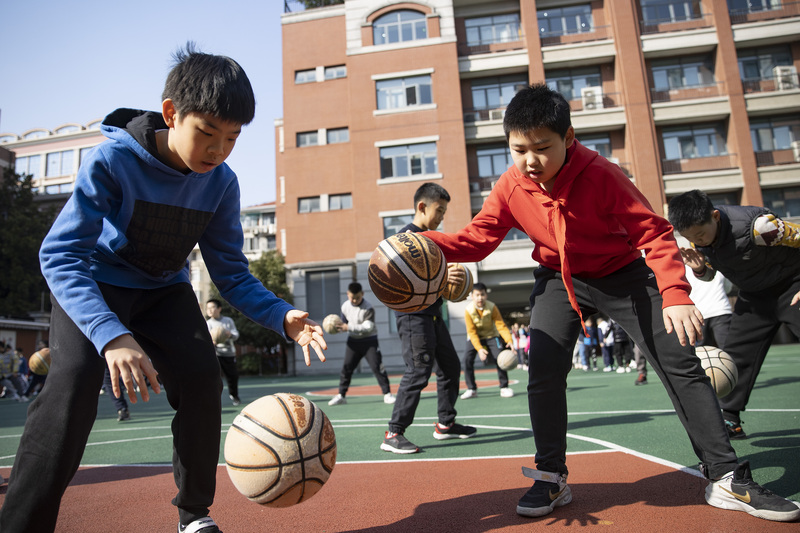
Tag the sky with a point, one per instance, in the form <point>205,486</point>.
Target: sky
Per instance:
<point>75,62</point>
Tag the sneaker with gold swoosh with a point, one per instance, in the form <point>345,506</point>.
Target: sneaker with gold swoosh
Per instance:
<point>549,490</point>
<point>738,492</point>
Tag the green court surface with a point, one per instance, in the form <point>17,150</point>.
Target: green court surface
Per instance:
<point>607,412</point>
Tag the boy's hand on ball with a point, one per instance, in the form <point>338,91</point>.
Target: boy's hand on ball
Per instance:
<point>686,321</point>
<point>306,333</point>
<point>126,360</point>
<point>455,275</point>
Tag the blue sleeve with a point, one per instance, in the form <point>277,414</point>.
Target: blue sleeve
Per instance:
<point>65,253</point>
<point>221,246</point>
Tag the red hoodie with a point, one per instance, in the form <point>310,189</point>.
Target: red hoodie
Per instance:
<point>593,223</point>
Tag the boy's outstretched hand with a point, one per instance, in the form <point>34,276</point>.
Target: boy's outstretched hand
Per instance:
<point>693,259</point>
<point>686,321</point>
<point>126,359</point>
<point>305,332</point>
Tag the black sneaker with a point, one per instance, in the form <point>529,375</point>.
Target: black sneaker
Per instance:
<point>397,443</point>
<point>641,380</point>
<point>201,525</point>
<point>123,415</point>
<point>735,430</point>
<point>453,431</point>
<point>738,492</point>
<point>550,490</point>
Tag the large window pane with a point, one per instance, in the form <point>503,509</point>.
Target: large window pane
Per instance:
<point>408,160</point>
<point>322,294</point>
<point>404,92</point>
<point>399,26</point>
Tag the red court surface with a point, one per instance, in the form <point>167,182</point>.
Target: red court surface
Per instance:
<point>612,492</point>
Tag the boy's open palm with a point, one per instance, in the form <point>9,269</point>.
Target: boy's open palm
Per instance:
<point>306,333</point>
<point>686,321</point>
<point>126,359</point>
<point>693,259</point>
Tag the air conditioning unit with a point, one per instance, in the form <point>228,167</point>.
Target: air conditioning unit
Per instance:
<point>785,77</point>
<point>796,150</point>
<point>497,114</point>
<point>592,98</point>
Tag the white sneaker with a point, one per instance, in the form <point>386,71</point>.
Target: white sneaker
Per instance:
<point>470,393</point>
<point>620,370</point>
<point>607,369</point>
<point>738,492</point>
<point>506,392</point>
<point>389,398</point>
<point>337,400</point>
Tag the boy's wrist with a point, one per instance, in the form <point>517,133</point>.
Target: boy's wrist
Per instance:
<point>701,271</point>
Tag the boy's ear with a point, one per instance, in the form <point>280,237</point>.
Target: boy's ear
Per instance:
<point>421,206</point>
<point>169,112</point>
<point>569,137</point>
<point>715,215</point>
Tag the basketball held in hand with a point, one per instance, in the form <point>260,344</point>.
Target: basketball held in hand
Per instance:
<point>331,324</point>
<point>458,291</point>
<point>407,272</point>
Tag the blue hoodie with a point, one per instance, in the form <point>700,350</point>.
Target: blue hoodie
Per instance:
<point>132,221</point>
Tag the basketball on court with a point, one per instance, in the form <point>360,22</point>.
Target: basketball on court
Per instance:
<point>331,323</point>
<point>507,360</point>
<point>280,450</point>
<point>407,272</point>
<point>719,367</point>
<point>39,362</point>
<point>456,292</point>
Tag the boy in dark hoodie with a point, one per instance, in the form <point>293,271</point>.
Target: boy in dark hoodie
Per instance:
<point>590,224</point>
<point>116,263</point>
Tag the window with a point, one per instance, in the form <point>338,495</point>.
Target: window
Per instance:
<point>569,82</point>
<point>752,6</point>
<point>678,73</point>
<point>337,135</point>
<point>404,92</point>
<point>565,20</point>
<point>662,11</point>
<point>783,202</point>
<point>31,164</point>
<point>307,138</point>
<point>82,153</point>
<point>62,188</point>
<point>305,76</point>
<point>408,160</point>
<point>775,134</point>
<point>496,93</point>
<point>493,161</point>
<point>399,26</point>
<point>393,224</point>
<point>496,29</point>
<point>60,163</point>
<point>757,63</point>
<point>337,202</point>
<point>693,142</point>
<point>599,143</point>
<point>308,205</point>
<point>339,71</point>
<point>322,294</point>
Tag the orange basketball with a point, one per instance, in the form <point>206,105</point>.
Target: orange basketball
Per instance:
<point>39,362</point>
<point>455,292</point>
<point>407,272</point>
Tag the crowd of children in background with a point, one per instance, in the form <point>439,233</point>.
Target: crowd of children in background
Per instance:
<point>17,382</point>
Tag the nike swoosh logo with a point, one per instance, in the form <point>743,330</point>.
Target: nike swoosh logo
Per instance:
<point>745,498</point>
<point>557,494</point>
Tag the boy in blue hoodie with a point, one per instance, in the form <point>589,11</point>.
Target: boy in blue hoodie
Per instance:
<point>116,264</point>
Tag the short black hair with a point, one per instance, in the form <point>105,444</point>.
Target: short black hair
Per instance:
<point>479,287</point>
<point>537,106</point>
<point>355,288</point>
<point>215,302</point>
<point>430,192</point>
<point>693,208</point>
<point>209,84</point>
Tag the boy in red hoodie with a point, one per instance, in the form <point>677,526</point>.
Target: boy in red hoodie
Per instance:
<point>590,225</point>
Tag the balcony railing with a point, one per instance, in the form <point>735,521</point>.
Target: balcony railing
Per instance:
<point>597,33</point>
<point>671,25</point>
<point>784,10</point>
<point>777,157</point>
<point>770,84</point>
<point>465,49</point>
<point>687,93</point>
<point>699,164</point>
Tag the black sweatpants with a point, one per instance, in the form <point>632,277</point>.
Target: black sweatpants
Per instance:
<point>426,340</point>
<point>494,346</point>
<point>228,366</point>
<point>756,319</point>
<point>356,350</point>
<point>629,296</point>
<point>169,326</point>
